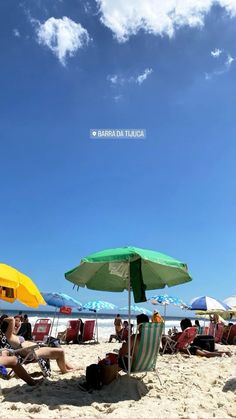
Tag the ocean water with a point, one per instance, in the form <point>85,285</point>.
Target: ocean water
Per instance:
<point>105,321</point>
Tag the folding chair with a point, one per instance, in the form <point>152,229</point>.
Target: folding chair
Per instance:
<point>41,329</point>
<point>88,331</point>
<point>25,355</point>
<point>216,330</point>
<point>183,341</point>
<point>72,331</point>
<point>148,348</point>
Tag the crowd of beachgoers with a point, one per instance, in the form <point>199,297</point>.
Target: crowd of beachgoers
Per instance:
<point>195,381</point>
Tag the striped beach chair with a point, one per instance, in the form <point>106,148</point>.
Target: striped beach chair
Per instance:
<point>148,348</point>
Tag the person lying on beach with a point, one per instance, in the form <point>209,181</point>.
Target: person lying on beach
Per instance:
<point>13,363</point>
<point>194,349</point>
<point>123,352</point>
<point>8,327</point>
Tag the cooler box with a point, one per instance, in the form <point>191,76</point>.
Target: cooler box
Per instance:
<point>206,342</point>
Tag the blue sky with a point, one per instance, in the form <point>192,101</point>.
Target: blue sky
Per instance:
<point>69,66</point>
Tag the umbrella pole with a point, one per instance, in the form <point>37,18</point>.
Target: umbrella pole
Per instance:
<point>97,323</point>
<point>53,320</point>
<point>164,318</point>
<point>129,330</point>
<point>57,324</point>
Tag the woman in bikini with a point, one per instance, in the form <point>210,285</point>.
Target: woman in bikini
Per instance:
<point>8,327</point>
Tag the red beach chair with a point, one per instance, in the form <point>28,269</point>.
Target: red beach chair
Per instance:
<point>88,331</point>
<point>72,331</point>
<point>41,329</point>
<point>183,341</point>
<point>217,331</point>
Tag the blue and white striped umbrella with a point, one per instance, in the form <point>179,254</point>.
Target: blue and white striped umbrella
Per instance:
<point>58,299</point>
<point>98,305</point>
<point>205,303</point>
<point>137,309</point>
<point>165,300</point>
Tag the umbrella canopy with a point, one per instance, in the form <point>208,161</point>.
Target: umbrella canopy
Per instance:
<point>98,305</point>
<point>165,300</point>
<point>137,309</point>
<point>14,285</point>
<point>121,268</point>
<point>109,270</point>
<point>205,303</point>
<point>231,301</point>
<point>58,299</point>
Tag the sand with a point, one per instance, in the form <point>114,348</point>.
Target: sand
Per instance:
<point>192,387</point>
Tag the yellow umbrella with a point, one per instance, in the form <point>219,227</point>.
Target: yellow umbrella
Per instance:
<point>15,285</point>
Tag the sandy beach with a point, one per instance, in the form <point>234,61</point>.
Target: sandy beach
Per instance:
<point>192,387</point>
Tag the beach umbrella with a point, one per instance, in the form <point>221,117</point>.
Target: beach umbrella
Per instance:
<point>58,300</point>
<point>14,285</point>
<point>231,301</point>
<point>98,305</point>
<point>205,303</point>
<point>165,300</point>
<point>137,309</point>
<point>124,268</point>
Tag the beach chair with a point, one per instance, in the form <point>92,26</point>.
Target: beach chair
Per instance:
<point>72,331</point>
<point>25,355</point>
<point>229,335</point>
<point>216,330</point>
<point>41,329</point>
<point>88,331</point>
<point>148,349</point>
<point>182,343</point>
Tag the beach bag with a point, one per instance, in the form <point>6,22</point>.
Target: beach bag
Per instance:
<point>206,342</point>
<point>108,373</point>
<point>109,368</point>
<point>53,342</point>
<point>94,377</point>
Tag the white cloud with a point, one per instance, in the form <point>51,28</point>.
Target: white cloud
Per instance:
<point>229,61</point>
<point>114,79</point>
<point>16,33</point>
<point>62,36</point>
<point>142,77</point>
<point>119,80</point>
<point>125,18</point>
<point>216,52</point>
<point>223,69</point>
<point>117,98</point>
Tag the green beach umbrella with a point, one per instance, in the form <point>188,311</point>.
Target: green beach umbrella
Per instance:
<point>126,268</point>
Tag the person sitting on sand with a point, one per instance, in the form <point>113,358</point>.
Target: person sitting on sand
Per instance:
<point>118,324</point>
<point>198,326</point>
<point>13,363</point>
<point>8,327</point>
<point>195,349</point>
<point>123,352</point>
